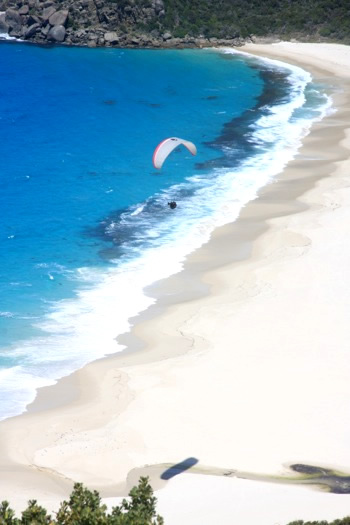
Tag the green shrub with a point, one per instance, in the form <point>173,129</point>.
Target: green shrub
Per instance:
<point>84,507</point>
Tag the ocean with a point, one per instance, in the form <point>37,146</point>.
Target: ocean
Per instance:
<point>85,223</point>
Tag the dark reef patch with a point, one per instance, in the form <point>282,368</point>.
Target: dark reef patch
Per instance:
<point>150,104</point>
<point>127,230</point>
<point>236,140</point>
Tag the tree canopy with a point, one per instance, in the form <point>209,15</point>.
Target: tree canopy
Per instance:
<point>85,507</point>
<point>241,18</point>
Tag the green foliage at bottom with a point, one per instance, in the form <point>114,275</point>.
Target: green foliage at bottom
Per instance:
<point>84,507</point>
<point>344,521</point>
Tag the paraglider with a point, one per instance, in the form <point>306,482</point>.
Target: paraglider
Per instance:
<point>167,146</point>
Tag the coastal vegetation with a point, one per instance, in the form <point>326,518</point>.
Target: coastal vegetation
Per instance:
<point>85,507</point>
<point>344,521</point>
<point>174,23</point>
<point>245,18</point>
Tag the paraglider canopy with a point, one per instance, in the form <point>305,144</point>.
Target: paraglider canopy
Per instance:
<point>167,146</point>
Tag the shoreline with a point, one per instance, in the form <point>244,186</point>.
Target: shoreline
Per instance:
<point>108,405</point>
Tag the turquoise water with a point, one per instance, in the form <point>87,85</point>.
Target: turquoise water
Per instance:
<point>85,224</point>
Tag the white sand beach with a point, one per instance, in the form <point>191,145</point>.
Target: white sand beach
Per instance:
<point>252,376</point>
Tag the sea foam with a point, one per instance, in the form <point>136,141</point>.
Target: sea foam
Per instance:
<point>107,301</point>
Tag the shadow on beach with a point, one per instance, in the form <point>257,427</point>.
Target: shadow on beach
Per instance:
<point>179,468</point>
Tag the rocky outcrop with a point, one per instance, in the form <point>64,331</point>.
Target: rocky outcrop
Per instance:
<point>57,33</point>
<point>111,37</point>
<point>31,31</point>
<point>58,18</point>
<point>14,22</point>
<point>4,28</point>
<point>47,12</point>
<point>122,23</point>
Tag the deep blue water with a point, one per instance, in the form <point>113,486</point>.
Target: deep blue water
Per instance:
<point>84,218</point>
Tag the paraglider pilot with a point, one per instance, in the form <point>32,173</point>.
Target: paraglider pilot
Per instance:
<point>172,205</point>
